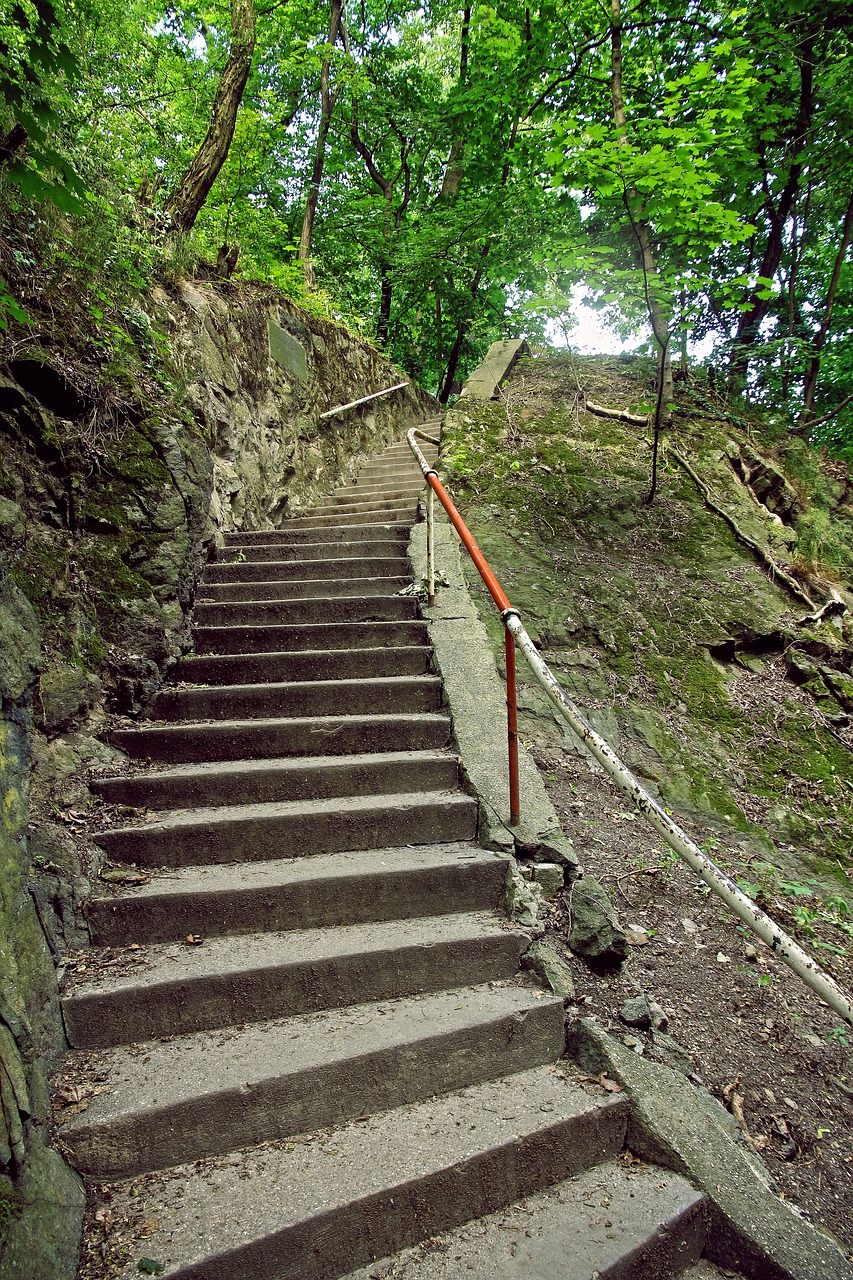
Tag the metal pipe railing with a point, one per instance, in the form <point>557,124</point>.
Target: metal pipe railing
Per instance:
<point>353,404</point>
<point>757,920</point>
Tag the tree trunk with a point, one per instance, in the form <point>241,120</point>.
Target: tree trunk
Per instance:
<point>385,294</point>
<point>187,201</point>
<point>327,106</point>
<point>640,228</point>
<point>455,164</point>
<point>807,411</point>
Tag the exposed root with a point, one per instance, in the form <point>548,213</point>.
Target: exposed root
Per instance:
<point>621,415</point>
<point>775,569</point>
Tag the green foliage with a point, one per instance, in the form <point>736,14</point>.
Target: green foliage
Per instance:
<point>736,120</point>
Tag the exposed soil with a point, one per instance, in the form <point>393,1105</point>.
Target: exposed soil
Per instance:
<point>754,1035</point>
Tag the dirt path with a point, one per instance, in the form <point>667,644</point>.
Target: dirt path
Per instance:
<point>750,1030</point>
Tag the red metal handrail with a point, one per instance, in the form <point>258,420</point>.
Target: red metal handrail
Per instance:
<point>740,903</point>
<point>500,598</point>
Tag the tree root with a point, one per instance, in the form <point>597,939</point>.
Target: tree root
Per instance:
<point>775,570</point>
<point>621,415</point>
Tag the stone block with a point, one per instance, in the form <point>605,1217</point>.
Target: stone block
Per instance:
<point>550,876</point>
<point>287,352</point>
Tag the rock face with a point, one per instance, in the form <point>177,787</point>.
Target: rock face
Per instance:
<point>41,1201</point>
<point>595,931</point>
<point>117,476</point>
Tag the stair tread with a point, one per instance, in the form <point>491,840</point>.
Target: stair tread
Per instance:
<point>284,765</point>
<point>171,961</point>
<point>273,873</point>
<point>327,721</point>
<point>186,1069</point>
<point>218,1208</point>
<point>605,1217</point>
<point>223,814</point>
<point>371,584</point>
<point>271,537</point>
<point>344,683</point>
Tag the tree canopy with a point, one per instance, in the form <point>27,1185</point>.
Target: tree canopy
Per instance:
<point>446,175</point>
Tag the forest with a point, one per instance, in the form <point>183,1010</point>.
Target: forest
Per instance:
<point>441,176</point>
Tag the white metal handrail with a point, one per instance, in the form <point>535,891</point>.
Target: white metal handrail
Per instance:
<point>353,404</point>
<point>762,925</point>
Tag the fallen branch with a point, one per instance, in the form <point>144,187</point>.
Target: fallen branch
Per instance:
<point>776,570</point>
<point>621,415</point>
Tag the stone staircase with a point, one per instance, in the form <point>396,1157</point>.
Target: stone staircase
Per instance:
<point>328,1054</point>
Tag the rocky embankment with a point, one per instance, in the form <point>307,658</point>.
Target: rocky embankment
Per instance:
<point>122,461</point>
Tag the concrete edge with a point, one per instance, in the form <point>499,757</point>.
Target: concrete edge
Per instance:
<point>499,362</point>
<point>682,1127</point>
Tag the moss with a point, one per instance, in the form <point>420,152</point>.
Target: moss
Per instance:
<point>555,499</point>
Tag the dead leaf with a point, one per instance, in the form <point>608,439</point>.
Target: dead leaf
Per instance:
<point>123,875</point>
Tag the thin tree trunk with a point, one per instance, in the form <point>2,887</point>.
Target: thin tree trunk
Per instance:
<point>807,411</point>
<point>187,201</point>
<point>640,228</point>
<point>455,164</point>
<point>385,294</point>
<point>327,106</point>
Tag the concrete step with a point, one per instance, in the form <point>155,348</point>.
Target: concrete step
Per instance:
<point>332,509</point>
<point>360,697</point>
<point>227,982</point>
<point>233,558</point>
<point>269,739</point>
<point>315,1209</point>
<point>258,546</point>
<point>611,1222</point>
<point>299,637</point>
<point>310,664</point>
<point>403,883</point>
<point>267,781</point>
<point>361,491</point>
<point>301,588</point>
<point>320,609</point>
<point>370,527</point>
<point>292,829</point>
<point>198,1095</point>
<point>307,570</point>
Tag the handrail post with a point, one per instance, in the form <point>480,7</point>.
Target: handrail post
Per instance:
<point>512,728</point>
<point>430,545</point>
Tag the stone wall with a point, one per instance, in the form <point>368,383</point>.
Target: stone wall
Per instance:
<point>118,470</point>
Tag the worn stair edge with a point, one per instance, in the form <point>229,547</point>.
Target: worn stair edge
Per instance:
<point>282,737</point>
<point>297,638</point>
<point>311,664</point>
<point>223,982</point>
<point>394,695</point>
<point>612,1222</point>
<point>385,548</point>
<point>257,781</point>
<point>337,568</point>
<point>292,829</point>
<point>355,887</point>
<point>295,534</point>
<point>197,1096</point>
<point>314,1210</point>
<point>302,589</point>
<point>319,609</point>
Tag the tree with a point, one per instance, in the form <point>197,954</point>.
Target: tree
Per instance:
<point>189,196</point>
<point>328,100</point>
